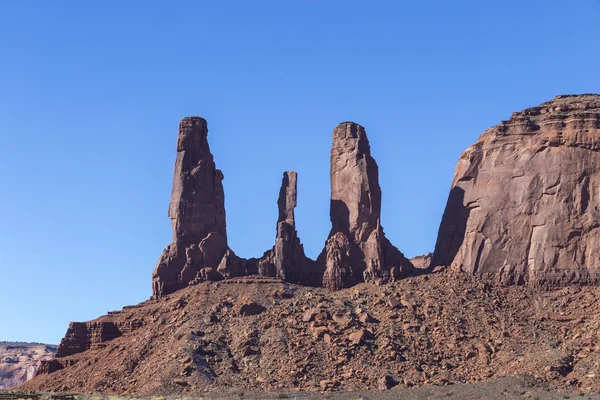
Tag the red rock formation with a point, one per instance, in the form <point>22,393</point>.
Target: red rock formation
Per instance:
<point>524,207</point>
<point>197,212</point>
<point>357,249</point>
<point>204,340</point>
<point>82,336</point>
<point>287,259</point>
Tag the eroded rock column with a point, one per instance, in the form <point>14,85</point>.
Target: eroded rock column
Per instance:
<point>357,249</point>
<point>197,212</point>
<point>287,259</point>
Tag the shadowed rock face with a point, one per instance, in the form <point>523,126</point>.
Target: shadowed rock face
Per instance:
<point>524,207</point>
<point>357,249</point>
<point>197,212</point>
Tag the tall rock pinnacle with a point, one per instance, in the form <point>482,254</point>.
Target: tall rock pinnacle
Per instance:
<point>357,249</point>
<point>197,212</point>
<point>287,259</point>
<point>524,207</point>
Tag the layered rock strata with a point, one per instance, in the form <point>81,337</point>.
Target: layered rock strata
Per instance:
<point>357,249</point>
<point>82,336</point>
<point>524,207</point>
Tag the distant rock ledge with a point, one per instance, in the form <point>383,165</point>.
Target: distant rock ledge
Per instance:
<point>20,361</point>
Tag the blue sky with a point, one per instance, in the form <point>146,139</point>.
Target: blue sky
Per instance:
<point>91,94</point>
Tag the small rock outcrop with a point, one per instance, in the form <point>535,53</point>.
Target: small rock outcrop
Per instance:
<point>287,259</point>
<point>357,249</point>
<point>83,336</point>
<point>524,207</point>
<point>197,212</point>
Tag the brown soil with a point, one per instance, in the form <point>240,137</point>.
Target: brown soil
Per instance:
<point>438,329</point>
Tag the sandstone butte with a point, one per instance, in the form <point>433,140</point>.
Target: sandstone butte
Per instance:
<point>522,210</point>
<point>524,207</point>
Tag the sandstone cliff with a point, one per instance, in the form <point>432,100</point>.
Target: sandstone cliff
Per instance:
<point>19,362</point>
<point>524,207</point>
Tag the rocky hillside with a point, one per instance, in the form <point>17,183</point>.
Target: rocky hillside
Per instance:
<point>523,210</point>
<point>264,334</point>
<point>20,361</point>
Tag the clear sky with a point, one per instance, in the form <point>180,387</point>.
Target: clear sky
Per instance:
<point>91,93</point>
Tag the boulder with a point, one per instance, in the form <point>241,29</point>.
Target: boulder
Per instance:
<point>251,309</point>
<point>386,382</point>
<point>356,338</point>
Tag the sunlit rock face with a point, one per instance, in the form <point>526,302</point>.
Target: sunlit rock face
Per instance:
<point>524,207</point>
<point>197,212</point>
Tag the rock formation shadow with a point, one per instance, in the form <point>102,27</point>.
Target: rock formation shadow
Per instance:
<point>340,217</point>
<point>451,233</point>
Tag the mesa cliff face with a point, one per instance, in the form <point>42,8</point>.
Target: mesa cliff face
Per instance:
<point>524,207</point>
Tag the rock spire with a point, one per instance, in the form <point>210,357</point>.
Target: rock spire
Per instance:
<point>197,212</point>
<point>287,259</point>
<point>357,249</point>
